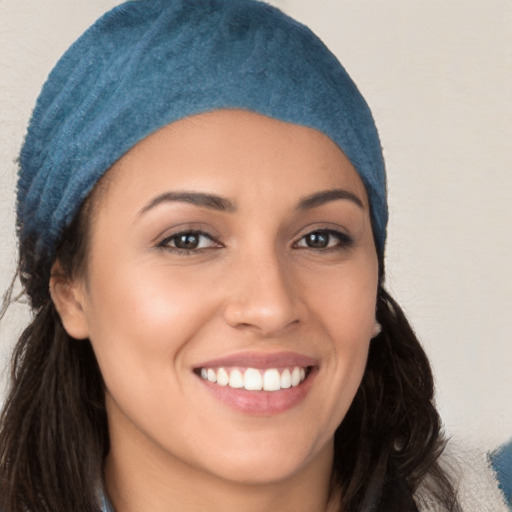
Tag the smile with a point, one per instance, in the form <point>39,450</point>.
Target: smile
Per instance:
<point>261,384</point>
<point>254,379</point>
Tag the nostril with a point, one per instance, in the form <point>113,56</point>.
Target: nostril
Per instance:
<point>262,318</point>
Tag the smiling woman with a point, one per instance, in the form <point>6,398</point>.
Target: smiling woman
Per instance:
<point>202,220</point>
<point>262,364</point>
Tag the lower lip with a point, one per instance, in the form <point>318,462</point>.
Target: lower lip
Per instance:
<point>261,403</point>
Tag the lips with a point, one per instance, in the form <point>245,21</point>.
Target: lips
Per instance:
<point>259,383</point>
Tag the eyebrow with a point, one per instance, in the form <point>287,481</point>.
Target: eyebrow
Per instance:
<point>325,196</point>
<point>222,204</point>
<point>210,201</point>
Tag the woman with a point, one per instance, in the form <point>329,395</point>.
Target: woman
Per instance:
<point>207,336</point>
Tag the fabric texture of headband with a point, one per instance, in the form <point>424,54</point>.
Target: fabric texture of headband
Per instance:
<point>148,63</point>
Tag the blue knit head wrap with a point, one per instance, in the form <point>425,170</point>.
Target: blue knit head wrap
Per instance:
<point>148,63</point>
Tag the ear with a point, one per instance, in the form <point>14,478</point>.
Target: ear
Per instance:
<point>67,296</point>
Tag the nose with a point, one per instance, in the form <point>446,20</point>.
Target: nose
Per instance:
<point>263,296</point>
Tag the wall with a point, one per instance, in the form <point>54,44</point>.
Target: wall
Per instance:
<point>438,76</point>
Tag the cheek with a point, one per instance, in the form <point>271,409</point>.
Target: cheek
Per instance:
<point>140,318</point>
<point>352,311</point>
<point>343,302</point>
<point>344,299</point>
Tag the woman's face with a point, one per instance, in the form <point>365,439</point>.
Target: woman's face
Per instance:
<point>234,248</point>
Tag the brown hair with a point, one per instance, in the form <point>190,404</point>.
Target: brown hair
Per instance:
<point>54,432</point>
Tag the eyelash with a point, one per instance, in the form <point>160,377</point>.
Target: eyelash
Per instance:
<point>166,242</point>
<point>343,241</point>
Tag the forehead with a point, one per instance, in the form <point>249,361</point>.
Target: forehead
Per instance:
<point>232,151</point>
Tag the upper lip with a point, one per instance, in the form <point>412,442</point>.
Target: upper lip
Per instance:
<point>260,360</point>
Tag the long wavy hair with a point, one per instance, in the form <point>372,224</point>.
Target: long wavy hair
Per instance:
<point>54,425</point>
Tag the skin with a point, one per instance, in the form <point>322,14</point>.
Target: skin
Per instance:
<point>255,284</point>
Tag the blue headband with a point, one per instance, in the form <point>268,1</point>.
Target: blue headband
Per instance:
<point>148,63</point>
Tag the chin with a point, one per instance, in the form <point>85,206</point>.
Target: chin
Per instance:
<point>270,462</point>
<point>261,472</point>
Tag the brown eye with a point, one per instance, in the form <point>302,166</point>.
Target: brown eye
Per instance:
<point>325,239</point>
<point>188,241</point>
<point>317,240</point>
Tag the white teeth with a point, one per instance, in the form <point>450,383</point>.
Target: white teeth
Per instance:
<point>236,379</point>
<point>271,380</point>
<point>254,379</point>
<point>295,376</point>
<point>222,377</point>
<point>286,379</point>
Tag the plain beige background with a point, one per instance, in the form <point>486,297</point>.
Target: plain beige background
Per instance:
<point>438,76</point>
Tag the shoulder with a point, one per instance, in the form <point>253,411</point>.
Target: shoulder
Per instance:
<point>472,474</point>
<point>501,462</point>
